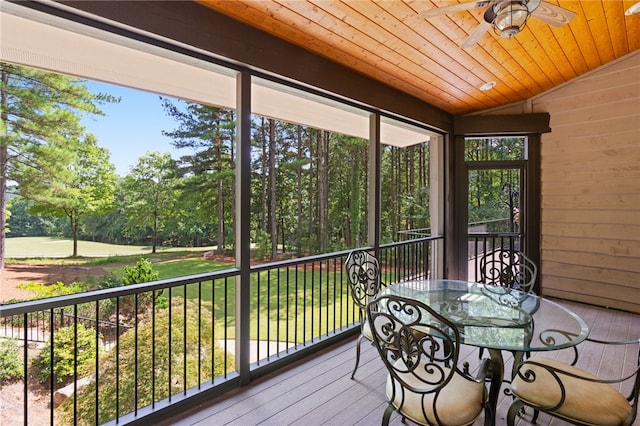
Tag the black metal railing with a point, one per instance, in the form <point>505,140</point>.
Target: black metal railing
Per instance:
<point>38,323</point>
<point>481,243</point>
<point>128,353</point>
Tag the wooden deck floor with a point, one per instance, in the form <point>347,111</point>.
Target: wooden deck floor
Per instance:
<point>318,391</point>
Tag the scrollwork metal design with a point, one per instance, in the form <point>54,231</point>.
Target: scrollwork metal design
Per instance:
<point>508,269</point>
<point>415,342</point>
<point>363,274</point>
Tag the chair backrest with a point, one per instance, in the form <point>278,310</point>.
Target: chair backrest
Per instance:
<point>508,268</point>
<point>363,274</point>
<point>417,345</point>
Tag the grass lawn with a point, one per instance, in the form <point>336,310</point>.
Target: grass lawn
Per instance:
<point>272,300</point>
<point>172,268</point>
<point>52,247</point>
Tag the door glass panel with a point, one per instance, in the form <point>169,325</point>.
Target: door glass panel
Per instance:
<point>495,213</point>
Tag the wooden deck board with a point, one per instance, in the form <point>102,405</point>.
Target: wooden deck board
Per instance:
<point>319,391</point>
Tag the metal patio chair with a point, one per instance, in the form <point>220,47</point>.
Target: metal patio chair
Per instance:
<point>363,274</point>
<point>567,392</point>
<point>420,350</point>
<point>508,268</point>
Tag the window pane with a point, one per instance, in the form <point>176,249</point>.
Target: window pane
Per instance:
<point>309,173</point>
<point>495,148</point>
<point>494,200</point>
<point>405,184</point>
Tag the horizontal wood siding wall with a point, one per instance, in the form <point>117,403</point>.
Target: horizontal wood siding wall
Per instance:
<point>590,250</point>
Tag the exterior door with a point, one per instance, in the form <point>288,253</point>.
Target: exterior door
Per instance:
<point>495,200</point>
<point>495,211</point>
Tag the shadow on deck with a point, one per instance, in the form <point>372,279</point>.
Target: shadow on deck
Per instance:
<point>318,390</point>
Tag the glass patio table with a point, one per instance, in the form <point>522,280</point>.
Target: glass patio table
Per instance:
<point>497,319</point>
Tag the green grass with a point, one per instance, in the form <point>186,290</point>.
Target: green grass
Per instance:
<point>174,268</point>
<point>56,248</point>
<point>276,301</point>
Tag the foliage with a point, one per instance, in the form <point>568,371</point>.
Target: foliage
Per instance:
<point>23,223</point>
<point>70,345</point>
<point>75,179</point>
<point>10,360</point>
<point>150,194</point>
<point>40,126</point>
<point>109,280</point>
<point>42,291</point>
<point>142,272</point>
<point>309,187</point>
<point>262,248</point>
<point>123,373</point>
<point>494,148</point>
<point>208,171</point>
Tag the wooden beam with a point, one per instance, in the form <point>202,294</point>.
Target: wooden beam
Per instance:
<point>473,125</point>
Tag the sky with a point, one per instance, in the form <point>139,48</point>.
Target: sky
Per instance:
<point>131,128</point>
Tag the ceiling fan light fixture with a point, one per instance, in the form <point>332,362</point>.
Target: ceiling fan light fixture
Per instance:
<point>510,18</point>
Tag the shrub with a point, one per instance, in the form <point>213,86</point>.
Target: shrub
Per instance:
<point>262,247</point>
<point>10,360</point>
<point>137,372</point>
<point>63,354</point>
<point>141,273</point>
<point>43,291</point>
<point>109,280</point>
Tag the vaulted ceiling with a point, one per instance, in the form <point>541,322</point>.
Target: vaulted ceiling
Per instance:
<point>389,41</point>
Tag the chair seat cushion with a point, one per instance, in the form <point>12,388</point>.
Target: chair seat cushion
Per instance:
<point>460,402</point>
<point>587,402</point>
<point>366,330</point>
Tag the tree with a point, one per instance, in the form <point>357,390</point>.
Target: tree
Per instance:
<point>21,223</point>
<point>75,179</point>
<point>210,172</point>
<point>150,192</point>
<point>36,108</point>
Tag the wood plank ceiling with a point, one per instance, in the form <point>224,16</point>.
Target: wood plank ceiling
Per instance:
<point>388,41</point>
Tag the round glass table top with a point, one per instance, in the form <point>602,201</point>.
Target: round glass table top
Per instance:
<point>497,317</point>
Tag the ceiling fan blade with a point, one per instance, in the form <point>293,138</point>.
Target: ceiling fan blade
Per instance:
<point>430,13</point>
<point>552,14</point>
<point>476,34</point>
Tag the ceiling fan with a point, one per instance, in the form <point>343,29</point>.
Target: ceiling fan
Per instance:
<point>506,17</point>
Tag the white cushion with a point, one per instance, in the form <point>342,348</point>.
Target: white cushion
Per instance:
<point>587,402</point>
<point>460,402</point>
<point>366,330</point>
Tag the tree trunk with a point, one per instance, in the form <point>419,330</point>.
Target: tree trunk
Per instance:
<point>220,197</point>
<point>264,182</point>
<point>234,166</point>
<point>323,187</point>
<point>299,195</point>
<point>393,192</point>
<point>312,204</point>
<point>273,223</point>
<point>353,234</point>
<point>411,186</point>
<point>3,168</point>
<point>154,237</point>
<point>73,223</point>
